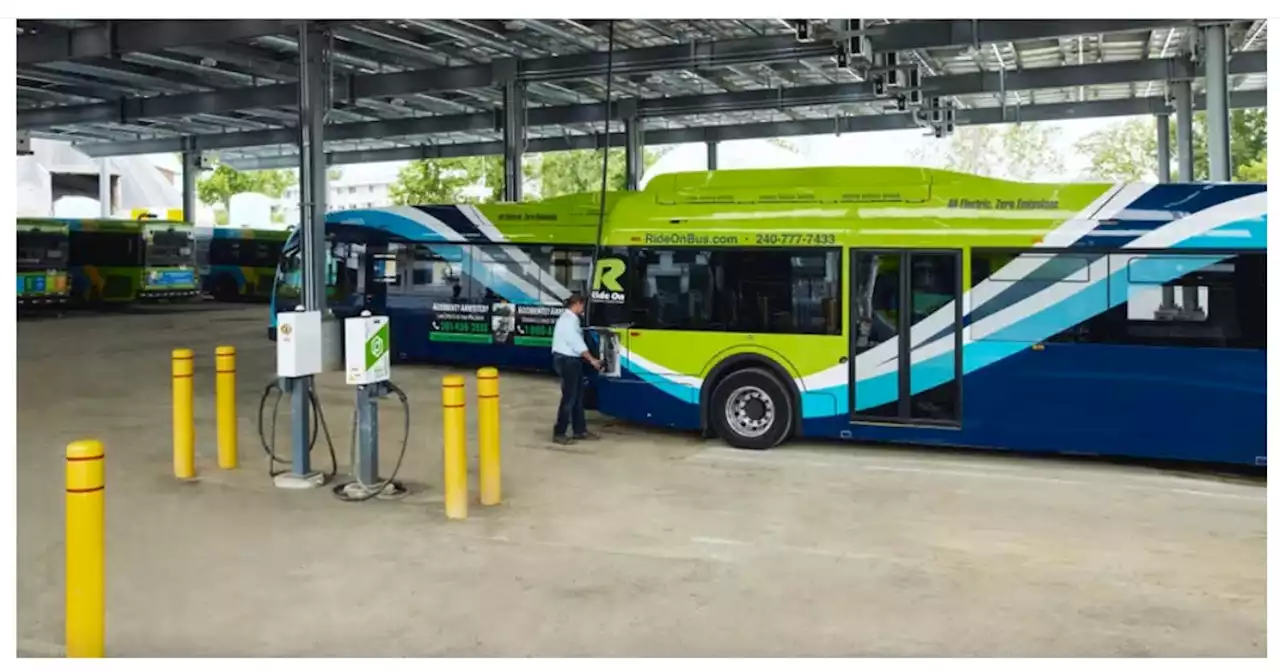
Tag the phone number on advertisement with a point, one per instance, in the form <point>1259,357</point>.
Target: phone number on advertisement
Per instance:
<point>795,239</point>
<point>464,327</point>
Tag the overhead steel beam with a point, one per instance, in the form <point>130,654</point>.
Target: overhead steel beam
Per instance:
<point>693,56</point>
<point>1057,77</point>
<point>933,34</point>
<point>711,134</point>
<point>113,38</point>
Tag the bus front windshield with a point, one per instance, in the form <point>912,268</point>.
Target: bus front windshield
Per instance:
<point>339,270</point>
<point>170,248</point>
<point>42,251</point>
<point>289,274</point>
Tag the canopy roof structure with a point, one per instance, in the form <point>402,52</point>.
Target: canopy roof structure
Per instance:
<point>404,89</point>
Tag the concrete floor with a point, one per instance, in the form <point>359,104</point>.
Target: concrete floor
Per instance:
<point>646,544</point>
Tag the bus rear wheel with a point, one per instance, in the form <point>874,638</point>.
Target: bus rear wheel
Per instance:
<point>751,409</point>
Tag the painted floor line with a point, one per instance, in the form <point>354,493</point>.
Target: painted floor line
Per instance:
<point>970,472</point>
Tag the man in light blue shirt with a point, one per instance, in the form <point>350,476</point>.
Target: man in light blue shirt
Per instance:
<point>568,349</point>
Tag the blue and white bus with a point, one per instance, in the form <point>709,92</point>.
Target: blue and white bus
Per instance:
<point>892,305</point>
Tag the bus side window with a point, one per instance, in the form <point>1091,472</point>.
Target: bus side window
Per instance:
<point>434,271</point>
<point>1187,300</point>
<point>571,269</point>
<point>745,291</point>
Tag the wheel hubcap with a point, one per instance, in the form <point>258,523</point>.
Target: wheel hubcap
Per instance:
<point>750,411</point>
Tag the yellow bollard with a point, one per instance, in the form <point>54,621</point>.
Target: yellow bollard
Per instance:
<point>184,429</point>
<point>86,557</point>
<point>490,452</point>
<point>454,400</point>
<point>225,358</point>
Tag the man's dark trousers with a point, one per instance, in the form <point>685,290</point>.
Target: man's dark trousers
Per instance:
<point>570,371</point>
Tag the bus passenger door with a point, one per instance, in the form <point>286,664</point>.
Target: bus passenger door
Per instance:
<point>913,380</point>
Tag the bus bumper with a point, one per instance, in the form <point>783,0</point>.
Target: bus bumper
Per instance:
<point>156,294</point>
<point>42,301</point>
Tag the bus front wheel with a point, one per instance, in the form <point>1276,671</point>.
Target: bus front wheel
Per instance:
<point>751,409</point>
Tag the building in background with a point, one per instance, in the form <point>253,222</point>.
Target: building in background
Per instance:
<point>55,171</point>
<point>357,186</point>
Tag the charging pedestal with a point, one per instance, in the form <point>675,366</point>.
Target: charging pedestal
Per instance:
<point>299,344</point>
<point>368,367</point>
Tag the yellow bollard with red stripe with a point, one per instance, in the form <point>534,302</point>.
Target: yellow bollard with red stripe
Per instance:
<point>488,433</point>
<point>86,550</point>
<point>225,364</point>
<point>184,420</point>
<point>454,400</point>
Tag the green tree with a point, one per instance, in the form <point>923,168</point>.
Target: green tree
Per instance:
<point>1030,152</point>
<point>577,171</point>
<point>1254,171</point>
<point>1012,151</point>
<point>435,181</point>
<point>217,187</point>
<point>468,179</point>
<point>1126,150</point>
<point>1121,152</point>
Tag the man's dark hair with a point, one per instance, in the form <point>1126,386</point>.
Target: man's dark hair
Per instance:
<point>573,300</point>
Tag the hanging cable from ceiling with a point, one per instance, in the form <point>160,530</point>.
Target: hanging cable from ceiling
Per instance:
<point>604,169</point>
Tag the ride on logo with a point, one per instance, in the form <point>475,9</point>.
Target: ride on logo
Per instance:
<point>376,347</point>
<point>606,286</point>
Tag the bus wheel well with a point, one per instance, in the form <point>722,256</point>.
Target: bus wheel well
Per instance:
<point>739,362</point>
<point>224,287</point>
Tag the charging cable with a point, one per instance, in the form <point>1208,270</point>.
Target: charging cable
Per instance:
<point>390,486</point>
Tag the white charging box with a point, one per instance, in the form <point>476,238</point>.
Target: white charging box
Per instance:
<point>368,345</point>
<point>299,344</point>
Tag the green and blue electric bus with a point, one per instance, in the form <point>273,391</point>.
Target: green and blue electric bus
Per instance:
<point>866,304</point>
<point>114,262</point>
<point>239,264</point>
<point>42,263</point>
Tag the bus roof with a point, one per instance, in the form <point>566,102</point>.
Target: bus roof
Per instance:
<point>106,225</point>
<point>827,206</point>
<point>249,233</point>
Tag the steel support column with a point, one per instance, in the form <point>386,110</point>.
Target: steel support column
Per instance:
<point>513,141</point>
<point>1168,300</point>
<point>365,459</point>
<point>1216,105</point>
<point>190,170</point>
<point>313,46</point>
<point>633,130</point>
<point>104,187</point>
<point>1162,147</point>
<point>313,108</point>
<point>713,155</point>
<point>1183,106</point>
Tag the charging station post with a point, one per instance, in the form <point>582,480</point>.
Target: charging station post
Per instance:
<point>368,368</point>
<point>298,357</point>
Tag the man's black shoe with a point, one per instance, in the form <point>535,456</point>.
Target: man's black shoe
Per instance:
<point>586,436</point>
<point>562,440</point>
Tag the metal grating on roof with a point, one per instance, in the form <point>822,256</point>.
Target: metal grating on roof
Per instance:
<point>148,86</point>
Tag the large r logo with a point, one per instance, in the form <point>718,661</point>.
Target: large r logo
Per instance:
<point>607,273</point>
